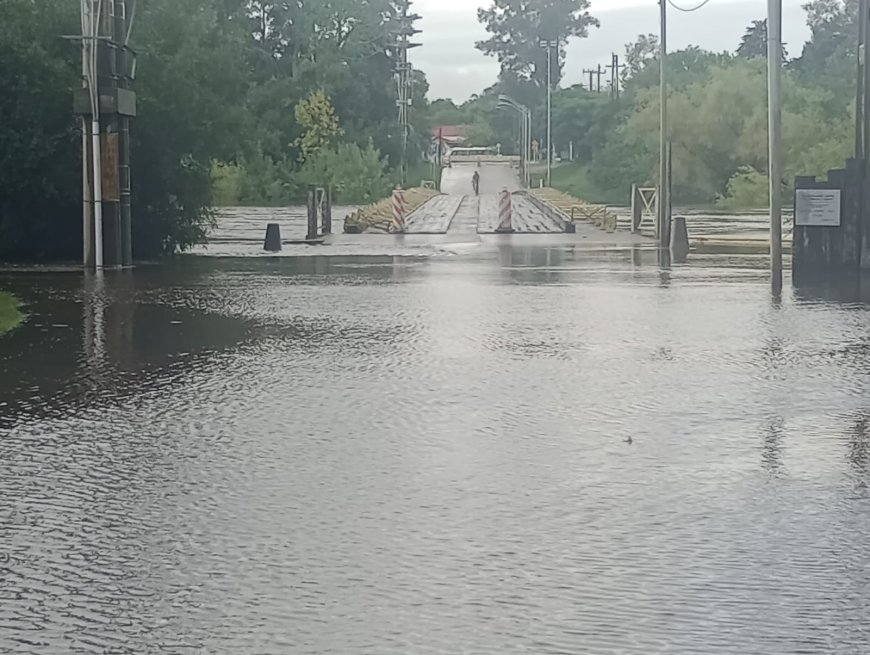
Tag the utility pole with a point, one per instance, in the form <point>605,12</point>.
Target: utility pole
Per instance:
<point>664,204</point>
<point>600,72</point>
<point>614,67</point>
<point>862,104</point>
<point>590,72</point>
<point>404,76</point>
<point>774,74</point>
<point>550,45</point>
<point>106,104</point>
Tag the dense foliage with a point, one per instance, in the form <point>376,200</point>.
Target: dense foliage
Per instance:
<point>718,107</point>
<point>260,94</point>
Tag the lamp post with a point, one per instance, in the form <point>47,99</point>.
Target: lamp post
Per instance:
<point>506,102</point>
<point>549,45</point>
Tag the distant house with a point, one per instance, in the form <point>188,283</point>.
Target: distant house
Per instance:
<point>450,136</point>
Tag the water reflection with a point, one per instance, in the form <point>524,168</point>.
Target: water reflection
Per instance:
<point>391,454</point>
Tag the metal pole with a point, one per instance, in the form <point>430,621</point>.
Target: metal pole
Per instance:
<point>87,200</point>
<point>549,113</point>
<point>664,185</point>
<point>774,72</point>
<point>98,193</point>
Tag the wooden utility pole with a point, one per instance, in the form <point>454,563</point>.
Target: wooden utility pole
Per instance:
<point>600,72</point>
<point>774,73</point>
<point>590,72</point>
<point>614,67</point>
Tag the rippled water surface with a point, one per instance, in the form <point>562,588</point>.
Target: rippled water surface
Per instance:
<point>429,453</point>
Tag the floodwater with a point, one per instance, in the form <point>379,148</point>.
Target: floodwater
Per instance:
<point>507,445</point>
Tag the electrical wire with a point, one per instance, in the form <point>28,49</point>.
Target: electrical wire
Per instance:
<point>703,4</point>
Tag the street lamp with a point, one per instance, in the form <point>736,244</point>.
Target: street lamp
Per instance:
<point>549,46</point>
<point>506,102</point>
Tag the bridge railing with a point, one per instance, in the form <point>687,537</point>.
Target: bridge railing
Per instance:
<point>482,159</point>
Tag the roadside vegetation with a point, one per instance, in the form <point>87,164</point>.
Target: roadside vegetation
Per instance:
<point>10,313</point>
<point>718,110</point>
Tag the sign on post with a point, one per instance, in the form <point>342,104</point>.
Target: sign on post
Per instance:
<point>818,207</point>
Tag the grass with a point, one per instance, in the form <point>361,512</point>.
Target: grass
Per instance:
<point>10,314</point>
<point>418,173</point>
<point>574,180</point>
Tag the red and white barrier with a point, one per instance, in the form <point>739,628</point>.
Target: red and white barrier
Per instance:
<point>399,209</point>
<point>505,213</point>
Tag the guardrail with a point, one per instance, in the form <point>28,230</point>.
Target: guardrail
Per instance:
<point>481,159</point>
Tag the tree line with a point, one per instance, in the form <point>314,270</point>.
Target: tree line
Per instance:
<point>248,99</point>
<point>717,103</point>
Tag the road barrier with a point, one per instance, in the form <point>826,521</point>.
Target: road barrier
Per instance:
<point>273,238</point>
<point>505,213</point>
<point>398,225</point>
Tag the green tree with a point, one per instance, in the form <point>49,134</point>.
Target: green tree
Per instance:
<point>320,126</point>
<point>359,175</point>
<point>40,144</point>
<point>518,26</point>
<point>754,42</point>
<point>639,54</point>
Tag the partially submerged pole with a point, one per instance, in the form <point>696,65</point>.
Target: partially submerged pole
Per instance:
<point>774,72</point>
<point>664,184</point>
<point>312,213</point>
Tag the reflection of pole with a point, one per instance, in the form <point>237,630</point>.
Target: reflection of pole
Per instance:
<point>774,72</point>
<point>664,184</point>
<point>860,102</point>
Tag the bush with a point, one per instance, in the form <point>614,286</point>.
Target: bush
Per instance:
<point>747,189</point>
<point>359,175</point>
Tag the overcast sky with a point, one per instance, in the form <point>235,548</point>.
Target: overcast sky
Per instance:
<point>457,70</point>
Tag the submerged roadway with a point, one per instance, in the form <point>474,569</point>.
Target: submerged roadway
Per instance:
<point>458,211</point>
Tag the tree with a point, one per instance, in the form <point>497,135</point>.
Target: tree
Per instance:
<point>639,54</point>
<point>829,58</point>
<point>518,26</point>
<point>40,144</point>
<point>316,116</point>
<point>359,175</point>
<point>754,42</point>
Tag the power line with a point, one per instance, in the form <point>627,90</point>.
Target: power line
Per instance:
<point>703,4</point>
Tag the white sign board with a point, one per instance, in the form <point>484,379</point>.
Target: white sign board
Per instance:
<point>817,207</point>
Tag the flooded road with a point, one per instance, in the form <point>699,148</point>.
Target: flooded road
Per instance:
<point>521,445</point>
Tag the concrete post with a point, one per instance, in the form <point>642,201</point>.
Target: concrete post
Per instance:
<point>273,238</point>
<point>679,239</point>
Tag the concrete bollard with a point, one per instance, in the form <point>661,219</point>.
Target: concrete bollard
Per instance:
<point>505,213</point>
<point>273,238</point>
<point>679,238</point>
